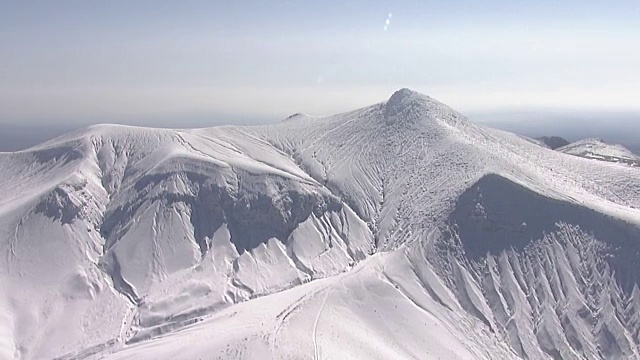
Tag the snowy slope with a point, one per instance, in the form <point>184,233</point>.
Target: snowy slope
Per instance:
<point>599,150</point>
<point>401,230</point>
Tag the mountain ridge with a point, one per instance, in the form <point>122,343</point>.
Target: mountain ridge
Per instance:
<point>598,149</point>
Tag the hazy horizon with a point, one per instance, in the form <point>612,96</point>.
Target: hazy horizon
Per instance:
<point>162,62</point>
<point>614,127</point>
<point>535,68</point>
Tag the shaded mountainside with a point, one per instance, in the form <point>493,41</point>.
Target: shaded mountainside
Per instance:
<point>553,142</point>
<point>400,230</point>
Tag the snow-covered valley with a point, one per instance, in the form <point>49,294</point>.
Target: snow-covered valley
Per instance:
<point>400,230</point>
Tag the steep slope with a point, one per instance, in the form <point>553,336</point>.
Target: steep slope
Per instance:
<point>599,150</point>
<point>140,223</point>
<point>392,231</point>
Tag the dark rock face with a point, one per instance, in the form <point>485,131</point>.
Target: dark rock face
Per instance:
<point>553,142</point>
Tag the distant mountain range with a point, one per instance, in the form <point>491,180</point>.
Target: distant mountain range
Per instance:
<point>595,149</point>
<point>599,150</point>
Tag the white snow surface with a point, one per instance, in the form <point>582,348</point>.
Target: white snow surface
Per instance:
<point>398,231</point>
<point>599,150</point>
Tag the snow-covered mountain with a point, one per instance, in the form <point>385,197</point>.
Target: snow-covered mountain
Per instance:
<point>401,230</point>
<point>599,150</point>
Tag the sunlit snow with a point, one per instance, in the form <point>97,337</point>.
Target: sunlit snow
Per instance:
<point>398,231</point>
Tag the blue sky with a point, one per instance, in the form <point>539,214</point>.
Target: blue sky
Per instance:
<point>133,61</point>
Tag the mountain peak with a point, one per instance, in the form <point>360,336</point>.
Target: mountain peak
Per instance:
<point>401,100</point>
<point>403,93</point>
